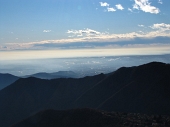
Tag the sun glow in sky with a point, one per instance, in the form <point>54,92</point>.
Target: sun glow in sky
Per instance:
<point>71,28</point>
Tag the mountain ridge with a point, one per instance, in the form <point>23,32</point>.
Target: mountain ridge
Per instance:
<point>59,74</point>
<point>7,79</point>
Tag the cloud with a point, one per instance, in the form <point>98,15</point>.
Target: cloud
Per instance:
<point>145,6</point>
<point>119,7</point>
<point>141,25</point>
<point>129,9</point>
<point>85,32</point>
<point>46,31</point>
<point>160,2</point>
<point>111,9</point>
<point>104,4</point>
<point>161,26</point>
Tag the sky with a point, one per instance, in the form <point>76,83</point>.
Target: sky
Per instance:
<point>32,29</point>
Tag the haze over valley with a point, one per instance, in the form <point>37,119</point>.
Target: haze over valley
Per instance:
<point>84,66</point>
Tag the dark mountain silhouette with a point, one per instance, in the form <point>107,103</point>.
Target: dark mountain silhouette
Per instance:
<point>60,74</point>
<point>141,89</point>
<point>7,79</point>
<point>92,118</point>
<point>28,96</point>
<point>144,89</point>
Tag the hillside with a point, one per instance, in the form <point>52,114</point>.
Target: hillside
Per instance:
<point>144,89</point>
<point>28,96</point>
<point>7,79</point>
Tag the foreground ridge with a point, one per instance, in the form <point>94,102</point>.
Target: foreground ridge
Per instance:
<point>93,118</point>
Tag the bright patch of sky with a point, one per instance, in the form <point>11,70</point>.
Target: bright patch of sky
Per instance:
<point>84,24</point>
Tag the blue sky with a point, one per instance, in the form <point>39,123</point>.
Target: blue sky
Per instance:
<point>109,27</point>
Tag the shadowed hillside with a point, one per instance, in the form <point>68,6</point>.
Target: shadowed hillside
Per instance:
<point>7,79</point>
<point>141,89</point>
<point>28,96</point>
<point>144,89</point>
<point>69,118</point>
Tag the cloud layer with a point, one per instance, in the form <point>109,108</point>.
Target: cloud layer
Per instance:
<point>96,38</point>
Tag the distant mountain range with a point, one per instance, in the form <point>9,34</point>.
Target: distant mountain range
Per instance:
<point>7,79</point>
<point>59,74</point>
<point>140,89</point>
